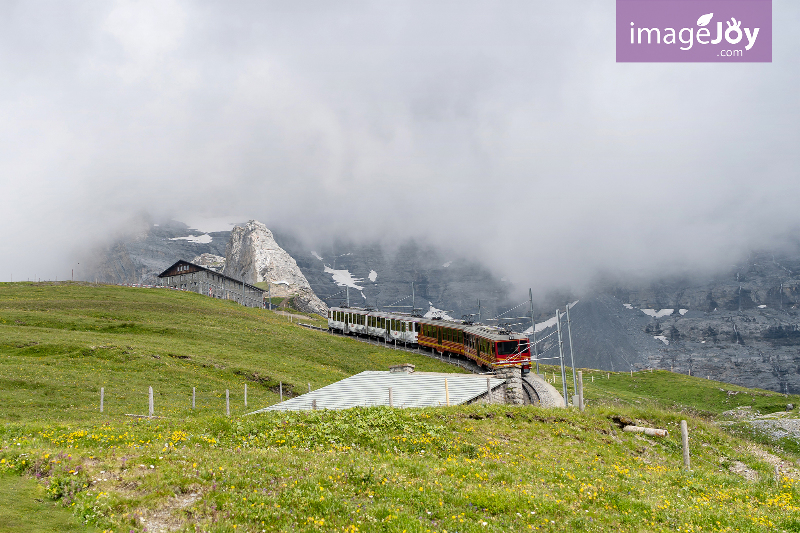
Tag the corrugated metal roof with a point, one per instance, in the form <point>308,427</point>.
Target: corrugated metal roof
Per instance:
<point>369,388</point>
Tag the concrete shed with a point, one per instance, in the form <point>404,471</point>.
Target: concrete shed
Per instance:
<point>409,389</point>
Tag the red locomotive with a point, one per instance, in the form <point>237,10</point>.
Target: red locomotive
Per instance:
<point>488,346</point>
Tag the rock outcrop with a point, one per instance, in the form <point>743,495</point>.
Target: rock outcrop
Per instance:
<point>253,255</point>
<point>210,261</point>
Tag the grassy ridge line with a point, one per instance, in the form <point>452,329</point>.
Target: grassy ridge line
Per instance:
<point>59,343</point>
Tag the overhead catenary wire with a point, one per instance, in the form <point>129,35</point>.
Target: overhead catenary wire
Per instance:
<point>513,308</point>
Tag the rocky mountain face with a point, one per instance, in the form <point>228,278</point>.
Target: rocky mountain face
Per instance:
<point>142,255</point>
<point>370,274</point>
<point>253,255</point>
<point>376,275</point>
<point>210,261</point>
<point>741,326</point>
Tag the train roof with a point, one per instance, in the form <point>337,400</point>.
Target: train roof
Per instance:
<point>483,330</point>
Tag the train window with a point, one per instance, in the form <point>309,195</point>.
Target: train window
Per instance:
<point>392,325</point>
<point>383,323</point>
<point>507,348</point>
<point>403,327</point>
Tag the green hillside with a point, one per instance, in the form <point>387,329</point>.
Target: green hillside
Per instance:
<point>471,468</point>
<point>60,343</point>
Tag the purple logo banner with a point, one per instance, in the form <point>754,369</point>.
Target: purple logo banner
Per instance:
<point>694,31</point>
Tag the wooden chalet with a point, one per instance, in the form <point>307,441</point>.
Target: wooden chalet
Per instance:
<point>187,276</point>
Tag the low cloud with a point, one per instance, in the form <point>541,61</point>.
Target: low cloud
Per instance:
<point>506,133</point>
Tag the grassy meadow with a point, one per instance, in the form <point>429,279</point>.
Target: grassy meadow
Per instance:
<point>464,469</point>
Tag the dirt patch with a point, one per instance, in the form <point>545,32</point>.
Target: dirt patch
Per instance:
<point>785,468</point>
<point>739,413</point>
<point>743,470</point>
<point>165,518</point>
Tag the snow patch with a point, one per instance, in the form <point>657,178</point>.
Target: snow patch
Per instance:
<point>372,276</point>
<point>343,278</point>
<point>662,338</point>
<point>656,313</point>
<point>683,311</point>
<point>436,313</point>
<point>447,264</point>
<point>628,306</point>
<point>200,239</point>
<point>541,326</point>
<point>315,254</point>
<point>549,323</point>
<point>762,306</point>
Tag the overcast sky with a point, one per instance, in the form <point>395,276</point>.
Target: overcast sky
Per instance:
<point>503,129</point>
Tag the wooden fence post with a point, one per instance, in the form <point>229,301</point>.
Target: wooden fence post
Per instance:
<point>151,401</point>
<point>102,394</point>
<point>280,389</point>
<point>580,390</point>
<point>488,390</point>
<point>391,402</point>
<point>685,444</point>
<point>227,402</point>
<point>446,393</point>
<point>193,396</point>
<point>309,387</point>
<point>245,394</point>
<point>314,404</point>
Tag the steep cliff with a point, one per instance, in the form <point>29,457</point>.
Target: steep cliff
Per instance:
<point>741,326</point>
<point>253,256</point>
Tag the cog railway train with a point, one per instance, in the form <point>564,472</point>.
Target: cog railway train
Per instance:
<point>488,346</point>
